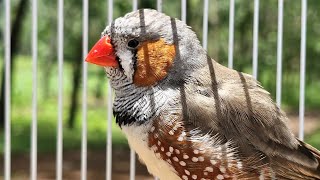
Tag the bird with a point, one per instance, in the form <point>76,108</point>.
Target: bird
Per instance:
<point>187,116</point>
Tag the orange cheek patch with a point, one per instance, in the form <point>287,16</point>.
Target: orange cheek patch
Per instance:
<point>154,58</point>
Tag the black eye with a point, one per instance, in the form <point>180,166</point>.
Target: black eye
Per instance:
<point>133,43</point>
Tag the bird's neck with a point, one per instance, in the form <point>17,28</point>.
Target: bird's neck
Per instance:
<point>134,104</point>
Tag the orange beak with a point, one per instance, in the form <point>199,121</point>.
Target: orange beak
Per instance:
<point>102,53</point>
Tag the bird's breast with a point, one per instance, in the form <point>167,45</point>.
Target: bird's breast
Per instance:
<point>138,138</point>
<point>191,154</point>
<point>171,152</point>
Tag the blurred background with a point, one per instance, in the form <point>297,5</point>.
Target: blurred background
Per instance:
<point>97,83</point>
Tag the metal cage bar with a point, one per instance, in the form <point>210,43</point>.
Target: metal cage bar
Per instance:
<point>159,5</point>
<point>7,106</point>
<point>184,10</point>
<point>85,9</point>
<point>132,164</point>
<point>205,24</point>
<point>279,52</point>
<point>33,153</point>
<point>255,39</point>
<point>59,158</point>
<point>302,67</point>
<point>231,34</point>
<point>109,111</point>
<point>132,153</point>
<point>134,5</point>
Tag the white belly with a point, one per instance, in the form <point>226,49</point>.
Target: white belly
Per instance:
<point>138,141</point>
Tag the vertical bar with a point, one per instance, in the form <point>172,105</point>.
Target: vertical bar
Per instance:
<point>134,5</point>
<point>110,11</point>
<point>184,10</point>
<point>7,106</point>
<point>231,33</point>
<point>159,5</point>
<point>60,92</point>
<point>85,8</point>
<point>279,52</point>
<point>205,24</point>
<point>33,154</point>
<point>302,67</point>
<point>109,133</point>
<point>132,153</point>
<point>109,111</point>
<point>255,39</point>
<point>132,164</point>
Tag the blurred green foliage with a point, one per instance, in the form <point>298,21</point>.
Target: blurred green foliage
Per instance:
<point>314,139</point>
<point>48,113</point>
<point>217,49</point>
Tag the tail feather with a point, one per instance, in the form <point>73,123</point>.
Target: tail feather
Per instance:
<point>315,153</point>
<point>285,169</point>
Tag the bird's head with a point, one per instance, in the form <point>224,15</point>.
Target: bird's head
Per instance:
<point>146,48</point>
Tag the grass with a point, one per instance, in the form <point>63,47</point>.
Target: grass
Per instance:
<point>97,110</point>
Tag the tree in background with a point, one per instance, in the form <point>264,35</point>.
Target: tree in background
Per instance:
<point>15,42</point>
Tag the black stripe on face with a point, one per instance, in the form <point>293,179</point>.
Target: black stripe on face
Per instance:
<point>118,60</point>
<point>135,59</point>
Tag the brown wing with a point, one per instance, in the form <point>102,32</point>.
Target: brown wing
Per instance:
<point>239,109</point>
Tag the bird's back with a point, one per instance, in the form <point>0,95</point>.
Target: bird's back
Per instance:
<point>234,106</point>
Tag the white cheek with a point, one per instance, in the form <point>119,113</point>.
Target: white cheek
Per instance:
<point>127,63</point>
